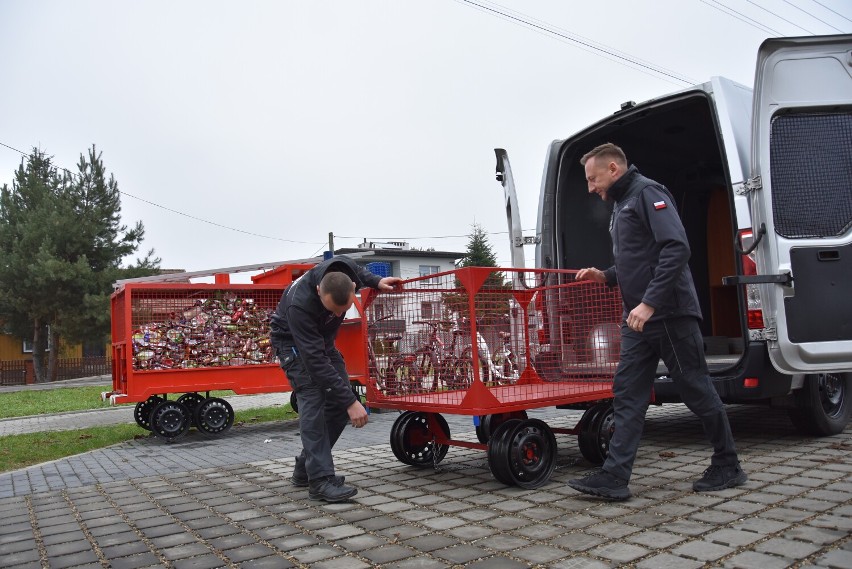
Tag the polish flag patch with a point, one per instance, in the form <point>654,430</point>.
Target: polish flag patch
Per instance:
<point>660,205</point>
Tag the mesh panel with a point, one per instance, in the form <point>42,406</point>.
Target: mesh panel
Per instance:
<point>483,334</point>
<point>811,167</point>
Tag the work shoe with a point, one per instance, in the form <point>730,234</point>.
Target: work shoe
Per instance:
<point>326,489</point>
<point>602,484</point>
<point>302,481</point>
<point>719,478</point>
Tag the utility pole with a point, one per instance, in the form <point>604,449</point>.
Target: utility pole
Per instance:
<point>330,253</point>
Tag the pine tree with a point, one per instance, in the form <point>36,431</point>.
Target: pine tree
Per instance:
<point>479,252</point>
<point>61,245</point>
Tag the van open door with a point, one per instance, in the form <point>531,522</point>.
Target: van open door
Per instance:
<point>513,215</point>
<point>801,198</point>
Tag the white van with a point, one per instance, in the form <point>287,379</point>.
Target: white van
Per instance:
<point>763,184</point>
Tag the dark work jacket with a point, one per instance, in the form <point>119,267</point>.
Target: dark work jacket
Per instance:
<point>650,249</point>
<point>301,321</point>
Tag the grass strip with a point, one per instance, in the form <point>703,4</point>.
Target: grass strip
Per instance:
<point>61,400</point>
<point>20,451</point>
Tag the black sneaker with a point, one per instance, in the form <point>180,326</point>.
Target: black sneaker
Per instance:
<point>719,478</point>
<point>602,484</point>
<point>301,479</point>
<point>326,489</point>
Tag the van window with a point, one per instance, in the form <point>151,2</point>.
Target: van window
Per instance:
<point>810,162</point>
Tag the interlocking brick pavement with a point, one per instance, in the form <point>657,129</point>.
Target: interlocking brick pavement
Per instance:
<point>228,502</point>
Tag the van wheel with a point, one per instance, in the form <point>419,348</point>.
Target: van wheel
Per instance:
<point>823,405</point>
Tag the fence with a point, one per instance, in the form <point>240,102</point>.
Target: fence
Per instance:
<point>16,372</point>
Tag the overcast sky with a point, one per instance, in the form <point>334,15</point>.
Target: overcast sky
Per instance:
<point>244,132</point>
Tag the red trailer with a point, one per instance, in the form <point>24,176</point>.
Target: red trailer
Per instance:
<point>171,337</point>
<point>493,344</point>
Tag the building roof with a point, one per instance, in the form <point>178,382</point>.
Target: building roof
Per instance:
<point>381,253</point>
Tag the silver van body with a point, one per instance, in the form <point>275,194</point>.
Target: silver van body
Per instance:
<point>763,182</point>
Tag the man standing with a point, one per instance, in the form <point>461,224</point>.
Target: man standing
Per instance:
<point>303,330</point>
<point>661,313</point>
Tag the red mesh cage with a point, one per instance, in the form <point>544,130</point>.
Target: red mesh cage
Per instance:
<point>469,341</point>
<point>170,338</point>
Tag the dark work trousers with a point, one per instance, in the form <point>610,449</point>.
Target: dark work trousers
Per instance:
<point>321,418</point>
<point>678,342</point>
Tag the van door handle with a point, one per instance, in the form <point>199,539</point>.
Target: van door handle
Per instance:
<point>785,279</point>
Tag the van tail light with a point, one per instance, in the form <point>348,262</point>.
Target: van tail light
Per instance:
<point>754,312</point>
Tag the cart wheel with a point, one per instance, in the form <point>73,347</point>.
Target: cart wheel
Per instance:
<point>214,416</point>
<point>490,423</point>
<point>293,403</point>
<point>142,412</point>
<point>596,428</point>
<point>395,441</point>
<point>191,401</point>
<point>413,440</point>
<point>498,451</point>
<point>480,430</point>
<point>170,420</point>
<point>531,453</point>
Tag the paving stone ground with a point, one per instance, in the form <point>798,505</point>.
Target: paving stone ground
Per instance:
<point>227,502</point>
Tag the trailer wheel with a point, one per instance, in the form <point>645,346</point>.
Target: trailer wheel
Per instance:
<point>143,409</point>
<point>498,452</point>
<point>531,453</point>
<point>823,404</point>
<point>490,423</point>
<point>191,400</point>
<point>596,428</point>
<point>396,446</point>
<point>214,416</point>
<point>170,420</point>
<point>413,440</point>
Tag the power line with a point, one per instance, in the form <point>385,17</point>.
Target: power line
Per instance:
<point>753,3</point>
<point>833,11</point>
<point>539,26</point>
<point>193,217</point>
<point>741,17</point>
<point>812,16</point>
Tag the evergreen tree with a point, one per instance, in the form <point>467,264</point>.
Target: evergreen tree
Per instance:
<point>479,252</point>
<point>489,305</point>
<point>61,245</point>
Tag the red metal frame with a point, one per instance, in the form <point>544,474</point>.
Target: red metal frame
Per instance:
<point>134,385</point>
<point>575,368</point>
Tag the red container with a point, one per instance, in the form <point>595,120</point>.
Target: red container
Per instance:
<point>494,343</point>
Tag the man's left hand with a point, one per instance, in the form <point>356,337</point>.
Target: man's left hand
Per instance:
<point>639,315</point>
<point>389,283</point>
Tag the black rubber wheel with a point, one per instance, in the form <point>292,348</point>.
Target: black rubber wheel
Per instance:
<point>585,439</point>
<point>395,438</point>
<point>214,416</point>
<point>596,434</point>
<point>480,430</point>
<point>823,405</point>
<point>191,400</point>
<point>498,452</point>
<point>170,420</point>
<point>143,409</point>
<point>293,402</point>
<point>413,440</point>
<point>531,453</point>
<point>491,423</point>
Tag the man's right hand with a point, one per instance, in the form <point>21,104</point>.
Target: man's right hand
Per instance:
<point>357,415</point>
<point>591,274</point>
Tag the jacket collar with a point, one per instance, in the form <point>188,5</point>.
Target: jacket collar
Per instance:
<point>620,186</point>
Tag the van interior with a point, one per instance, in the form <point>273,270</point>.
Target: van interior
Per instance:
<point>674,143</point>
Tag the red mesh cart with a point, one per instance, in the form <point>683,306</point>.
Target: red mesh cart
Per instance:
<point>494,343</point>
<point>191,338</point>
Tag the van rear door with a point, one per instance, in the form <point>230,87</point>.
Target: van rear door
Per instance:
<point>802,200</point>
